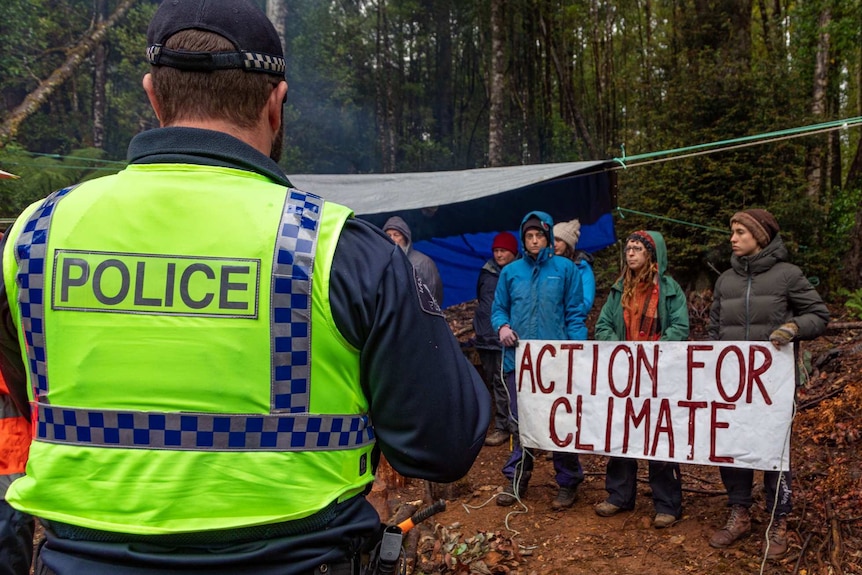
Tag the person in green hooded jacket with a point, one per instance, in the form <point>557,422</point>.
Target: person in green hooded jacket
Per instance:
<point>644,304</point>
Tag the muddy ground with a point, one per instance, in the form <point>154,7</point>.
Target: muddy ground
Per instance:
<point>474,535</point>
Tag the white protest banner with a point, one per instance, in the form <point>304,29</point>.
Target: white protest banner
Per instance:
<point>708,402</point>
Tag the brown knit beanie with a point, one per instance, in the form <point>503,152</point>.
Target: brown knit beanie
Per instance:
<point>569,232</point>
<point>762,225</point>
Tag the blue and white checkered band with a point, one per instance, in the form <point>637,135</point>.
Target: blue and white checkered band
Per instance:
<point>30,251</point>
<point>201,431</point>
<point>288,427</point>
<point>158,55</point>
<point>255,61</point>
<point>292,267</point>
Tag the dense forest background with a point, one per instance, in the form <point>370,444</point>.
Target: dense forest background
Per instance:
<point>424,85</point>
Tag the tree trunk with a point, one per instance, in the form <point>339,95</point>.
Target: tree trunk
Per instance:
<point>276,11</point>
<point>100,73</point>
<point>385,105</point>
<point>444,96</point>
<point>75,56</point>
<point>814,169</point>
<point>498,63</point>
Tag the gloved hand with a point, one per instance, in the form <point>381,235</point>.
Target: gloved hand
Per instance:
<point>784,334</point>
<point>508,337</point>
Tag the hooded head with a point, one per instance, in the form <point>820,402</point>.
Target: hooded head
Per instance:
<point>545,224</point>
<point>762,225</point>
<point>654,243</point>
<point>397,224</point>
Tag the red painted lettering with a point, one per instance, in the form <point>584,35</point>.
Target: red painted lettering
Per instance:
<point>649,368</point>
<point>578,413</point>
<point>609,423</point>
<point>547,348</point>
<point>621,349</point>
<point>740,360</point>
<point>663,425</point>
<point>714,425</point>
<point>571,348</point>
<point>527,367</point>
<point>692,406</point>
<point>595,375</point>
<point>564,402</point>
<point>692,365</point>
<point>635,419</point>
<point>755,372</point>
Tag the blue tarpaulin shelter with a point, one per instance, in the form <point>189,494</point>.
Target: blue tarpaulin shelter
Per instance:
<point>453,216</point>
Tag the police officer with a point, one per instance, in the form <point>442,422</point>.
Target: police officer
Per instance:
<point>216,359</point>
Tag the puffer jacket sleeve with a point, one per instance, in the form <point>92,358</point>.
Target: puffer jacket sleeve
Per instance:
<point>809,311</point>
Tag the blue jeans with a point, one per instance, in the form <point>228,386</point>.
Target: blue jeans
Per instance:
<point>567,466</point>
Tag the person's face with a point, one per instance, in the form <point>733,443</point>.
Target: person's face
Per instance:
<point>559,247</point>
<point>636,255</point>
<point>503,256</point>
<point>397,237</point>
<point>534,241</point>
<point>742,243</point>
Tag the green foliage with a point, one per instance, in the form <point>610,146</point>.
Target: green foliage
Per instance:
<point>40,175</point>
<point>853,303</point>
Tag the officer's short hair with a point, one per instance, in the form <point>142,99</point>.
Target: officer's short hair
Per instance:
<point>233,95</point>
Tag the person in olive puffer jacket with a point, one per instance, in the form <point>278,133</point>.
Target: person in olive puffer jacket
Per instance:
<point>762,297</point>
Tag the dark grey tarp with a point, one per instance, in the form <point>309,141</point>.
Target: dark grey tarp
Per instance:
<point>441,204</point>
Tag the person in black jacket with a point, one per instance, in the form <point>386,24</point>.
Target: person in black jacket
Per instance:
<point>762,297</point>
<point>505,251</point>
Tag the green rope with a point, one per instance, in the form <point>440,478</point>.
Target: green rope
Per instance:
<point>623,211</point>
<point>62,157</point>
<point>793,132</point>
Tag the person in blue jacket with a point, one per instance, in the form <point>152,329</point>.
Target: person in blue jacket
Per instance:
<point>566,235</point>
<point>538,297</point>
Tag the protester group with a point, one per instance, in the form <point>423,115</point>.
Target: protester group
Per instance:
<point>202,365</point>
<point>546,293</point>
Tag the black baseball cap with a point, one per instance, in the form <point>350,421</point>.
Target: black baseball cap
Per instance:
<point>258,47</point>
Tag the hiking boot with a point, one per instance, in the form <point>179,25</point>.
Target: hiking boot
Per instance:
<point>775,545</point>
<point>663,520</point>
<point>496,437</point>
<point>508,496</point>
<point>738,525</point>
<point>565,498</point>
<point>606,509</point>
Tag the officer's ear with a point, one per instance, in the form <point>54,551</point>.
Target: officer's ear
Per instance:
<point>151,96</point>
<point>275,105</point>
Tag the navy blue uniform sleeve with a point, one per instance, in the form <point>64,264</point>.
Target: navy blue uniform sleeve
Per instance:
<point>429,407</point>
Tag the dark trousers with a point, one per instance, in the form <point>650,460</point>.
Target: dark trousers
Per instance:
<point>16,540</point>
<point>664,480</point>
<point>738,483</point>
<point>491,361</point>
<point>567,466</point>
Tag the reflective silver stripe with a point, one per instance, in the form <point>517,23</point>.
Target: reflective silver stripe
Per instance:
<point>202,431</point>
<point>289,427</point>
<point>30,250</point>
<point>292,266</point>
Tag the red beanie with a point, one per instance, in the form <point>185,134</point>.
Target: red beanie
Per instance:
<point>506,241</point>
